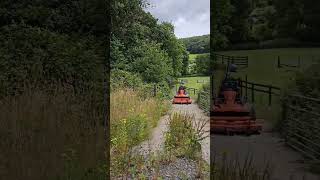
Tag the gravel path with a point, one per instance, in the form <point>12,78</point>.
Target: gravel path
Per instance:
<point>285,162</point>
<point>155,143</point>
<point>181,167</point>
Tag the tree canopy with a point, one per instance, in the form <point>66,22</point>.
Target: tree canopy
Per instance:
<point>251,23</point>
<point>144,46</point>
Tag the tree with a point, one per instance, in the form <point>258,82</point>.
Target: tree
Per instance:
<point>152,63</point>
<point>185,69</point>
<point>203,64</point>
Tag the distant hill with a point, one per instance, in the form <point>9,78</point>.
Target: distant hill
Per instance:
<point>197,44</point>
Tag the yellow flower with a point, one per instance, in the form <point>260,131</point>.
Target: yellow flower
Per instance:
<point>124,120</point>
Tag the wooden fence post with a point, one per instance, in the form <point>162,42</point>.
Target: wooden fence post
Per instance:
<point>154,90</point>
<point>247,61</point>
<point>252,92</point>
<point>240,84</point>
<point>279,65</point>
<point>246,86</point>
<point>270,95</point>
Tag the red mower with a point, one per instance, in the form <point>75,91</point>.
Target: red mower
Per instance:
<point>230,114</point>
<point>182,97</point>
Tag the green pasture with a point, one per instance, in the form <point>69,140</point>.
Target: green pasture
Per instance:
<point>263,70</point>
<point>263,64</point>
<point>192,57</point>
<point>195,82</point>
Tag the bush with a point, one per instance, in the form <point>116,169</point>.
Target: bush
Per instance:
<point>38,55</point>
<point>124,79</point>
<point>308,82</point>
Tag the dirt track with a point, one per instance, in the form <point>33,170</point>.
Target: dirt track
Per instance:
<point>285,162</point>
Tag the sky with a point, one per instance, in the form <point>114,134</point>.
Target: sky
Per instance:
<point>190,17</point>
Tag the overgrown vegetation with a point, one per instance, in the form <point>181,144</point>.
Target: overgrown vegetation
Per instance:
<point>307,82</point>
<point>132,119</point>
<point>52,61</point>
<point>229,169</point>
<point>183,138</point>
<point>54,132</point>
<point>247,24</point>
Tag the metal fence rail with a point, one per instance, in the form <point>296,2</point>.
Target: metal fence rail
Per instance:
<point>301,125</point>
<point>297,65</point>
<point>256,87</point>
<point>237,60</point>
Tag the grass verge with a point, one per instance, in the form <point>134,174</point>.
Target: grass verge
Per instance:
<point>132,119</point>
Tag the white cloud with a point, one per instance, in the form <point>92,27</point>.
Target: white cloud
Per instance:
<point>180,22</point>
<point>190,17</point>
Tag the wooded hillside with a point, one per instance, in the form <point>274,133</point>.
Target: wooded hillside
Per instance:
<point>197,44</point>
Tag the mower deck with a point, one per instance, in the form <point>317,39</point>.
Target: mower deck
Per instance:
<point>181,100</point>
<point>234,125</point>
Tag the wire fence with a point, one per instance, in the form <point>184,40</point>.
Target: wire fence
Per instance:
<point>241,61</point>
<point>204,101</point>
<point>301,125</point>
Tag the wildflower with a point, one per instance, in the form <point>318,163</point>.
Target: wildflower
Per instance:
<point>124,120</point>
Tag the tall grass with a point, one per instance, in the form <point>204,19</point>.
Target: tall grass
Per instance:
<point>51,134</point>
<point>183,140</point>
<point>132,119</point>
<point>231,169</point>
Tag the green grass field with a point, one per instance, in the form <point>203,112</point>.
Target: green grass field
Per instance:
<point>192,57</point>
<point>192,83</point>
<point>263,64</point>
<point>263,70</point>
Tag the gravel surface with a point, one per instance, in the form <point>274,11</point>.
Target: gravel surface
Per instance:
<point>285,162</point>
<point>180,169</point>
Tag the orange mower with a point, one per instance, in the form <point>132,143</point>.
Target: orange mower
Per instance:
<point>230,114</point>
<point>182,97</point>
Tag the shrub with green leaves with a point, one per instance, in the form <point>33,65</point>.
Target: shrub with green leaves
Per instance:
<point>38,55</point>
